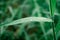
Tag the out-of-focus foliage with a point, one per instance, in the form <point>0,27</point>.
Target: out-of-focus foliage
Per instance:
<point>29,19</point>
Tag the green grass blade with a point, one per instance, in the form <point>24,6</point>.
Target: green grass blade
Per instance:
<point>29,19</point>
<point>52,6</point>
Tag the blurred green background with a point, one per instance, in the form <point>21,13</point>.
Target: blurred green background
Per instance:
<point>29,20</point>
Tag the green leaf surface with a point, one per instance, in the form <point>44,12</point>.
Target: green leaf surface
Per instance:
<point>52,6</point>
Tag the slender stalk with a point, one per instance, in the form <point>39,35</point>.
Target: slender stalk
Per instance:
<point>52,9</point>
<point>53,27</point>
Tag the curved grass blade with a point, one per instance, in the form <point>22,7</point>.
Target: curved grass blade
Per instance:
<point>28,19</point>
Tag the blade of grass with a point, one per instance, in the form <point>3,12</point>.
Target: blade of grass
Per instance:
<point>27,36</point>
<point>29,19</point>
<point>52,6</point>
